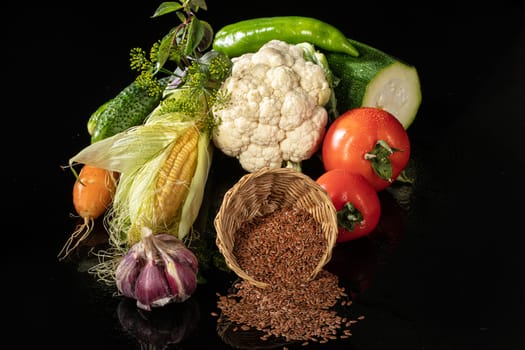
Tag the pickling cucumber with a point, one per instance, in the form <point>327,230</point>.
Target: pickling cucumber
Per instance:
<point>94,118</point>
<point>128,108</point>
<point>376,79</point>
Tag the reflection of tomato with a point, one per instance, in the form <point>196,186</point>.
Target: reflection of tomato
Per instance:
<point>369,141</point>
<point>356,201</point>
<point>391,227</point>
<point>357,262</point>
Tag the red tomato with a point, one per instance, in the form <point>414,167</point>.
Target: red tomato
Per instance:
<point>369,141</point>
<point>356,201</point>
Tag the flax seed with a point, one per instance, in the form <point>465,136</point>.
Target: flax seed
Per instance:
<point>282,249</point>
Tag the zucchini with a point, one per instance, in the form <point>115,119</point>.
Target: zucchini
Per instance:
<point>375,79</point>
<point>128,108</point>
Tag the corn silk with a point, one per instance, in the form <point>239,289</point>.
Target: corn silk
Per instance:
<point>139,154</point>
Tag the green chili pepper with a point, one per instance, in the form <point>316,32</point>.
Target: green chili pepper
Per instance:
<point>249,35</point>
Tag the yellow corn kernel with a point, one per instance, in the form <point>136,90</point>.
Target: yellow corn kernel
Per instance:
<point>175,177</point>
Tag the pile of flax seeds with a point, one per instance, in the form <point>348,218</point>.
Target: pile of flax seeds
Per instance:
<point>282,249</point>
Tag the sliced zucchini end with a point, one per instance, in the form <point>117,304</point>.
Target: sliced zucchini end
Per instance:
<point>397,89</point>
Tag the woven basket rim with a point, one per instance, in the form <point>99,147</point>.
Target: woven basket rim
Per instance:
<point>268,181</point>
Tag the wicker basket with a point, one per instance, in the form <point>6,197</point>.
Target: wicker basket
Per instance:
<point>262,192</point>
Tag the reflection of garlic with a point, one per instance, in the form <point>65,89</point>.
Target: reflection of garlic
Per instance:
<point>157,270</point>
<point>160,327</point>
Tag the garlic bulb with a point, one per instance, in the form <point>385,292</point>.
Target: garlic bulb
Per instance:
<point>157,270</point>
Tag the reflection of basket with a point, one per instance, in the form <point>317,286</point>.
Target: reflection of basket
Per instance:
<point>262,192</point>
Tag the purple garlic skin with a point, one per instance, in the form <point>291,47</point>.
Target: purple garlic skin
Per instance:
<point>129,269</point>
<point>157,270</point>
<point>182,279</point>
<point>151,288</point>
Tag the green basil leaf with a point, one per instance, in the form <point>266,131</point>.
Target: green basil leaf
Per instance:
<point>166,7</point>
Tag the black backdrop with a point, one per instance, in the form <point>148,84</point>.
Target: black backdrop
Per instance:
<point>454,281</point>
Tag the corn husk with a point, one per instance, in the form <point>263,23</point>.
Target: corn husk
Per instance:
<point>138,154</point>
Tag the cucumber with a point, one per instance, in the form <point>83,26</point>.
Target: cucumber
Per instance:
<point>93,119</point>
<point>128,108</point>
<point>376,79</point>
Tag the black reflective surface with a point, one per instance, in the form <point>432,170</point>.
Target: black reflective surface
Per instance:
<point>444,269</point>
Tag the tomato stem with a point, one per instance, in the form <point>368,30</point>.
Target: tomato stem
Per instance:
<point>349,216</point>
<point>379,158</point>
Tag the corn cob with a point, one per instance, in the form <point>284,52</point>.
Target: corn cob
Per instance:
<point>170,187</point>
<point>174,178</point>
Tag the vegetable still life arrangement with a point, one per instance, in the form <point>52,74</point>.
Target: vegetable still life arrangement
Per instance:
<point>272,96</point>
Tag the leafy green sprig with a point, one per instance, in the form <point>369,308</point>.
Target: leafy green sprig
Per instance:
<point>197,90</point>
<point>181,46</point>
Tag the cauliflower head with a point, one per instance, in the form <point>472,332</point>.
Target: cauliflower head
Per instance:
<point>274,115</point>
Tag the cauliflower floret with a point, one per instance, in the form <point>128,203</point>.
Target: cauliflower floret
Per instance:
<point>275,112</point>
